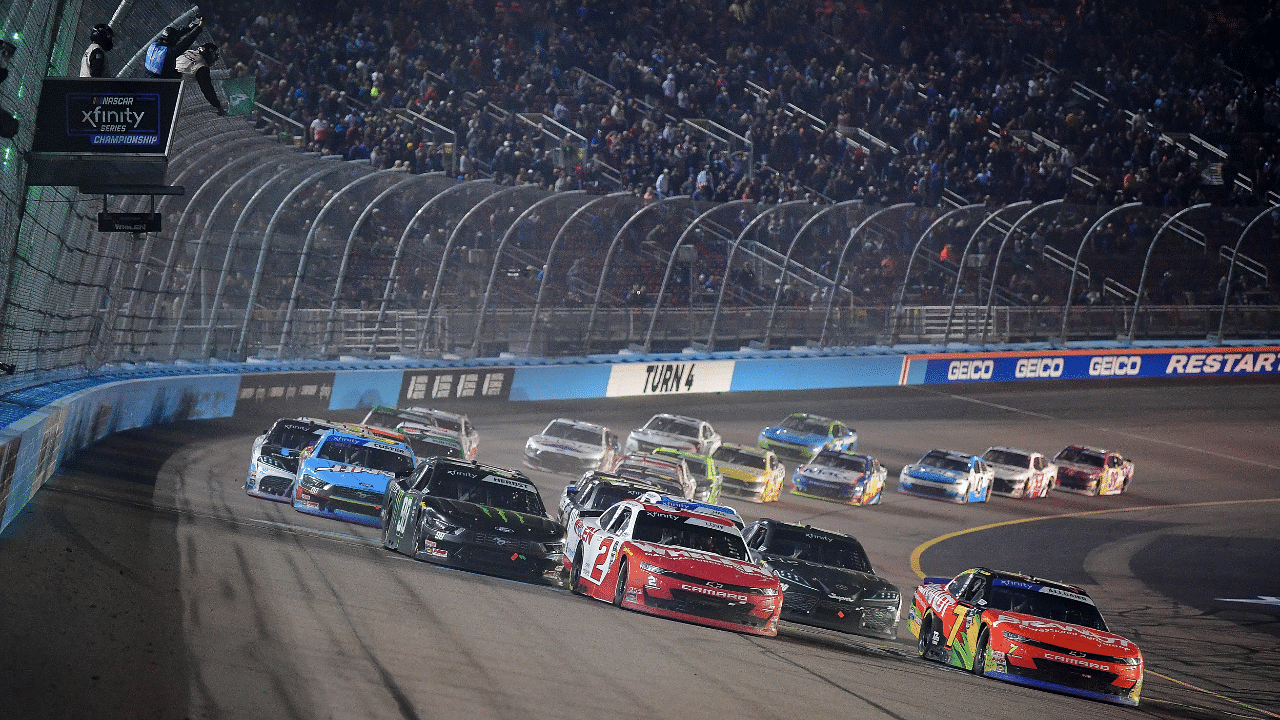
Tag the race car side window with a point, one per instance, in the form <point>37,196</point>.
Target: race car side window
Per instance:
<point>1037,462</point>
<point>956,587</point>
<point>620,521</point>
<point>424,476</point>
<point>607,518</point>
<point>973,593</point>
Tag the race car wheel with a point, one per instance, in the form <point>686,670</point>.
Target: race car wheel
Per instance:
<point>980,654</point>
<point>929,637</point>
<point>621,588</point>
<point>575,574</point>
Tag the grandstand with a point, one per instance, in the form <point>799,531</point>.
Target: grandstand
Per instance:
<point>413,187</point>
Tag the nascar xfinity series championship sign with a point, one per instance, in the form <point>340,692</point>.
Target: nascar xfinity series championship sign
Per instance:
<point>92,131</point>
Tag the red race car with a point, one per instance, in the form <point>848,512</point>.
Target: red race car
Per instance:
<point>1025,630</point>
<point>678,559</point>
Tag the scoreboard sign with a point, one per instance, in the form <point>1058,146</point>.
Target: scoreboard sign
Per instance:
<point>100,131</point>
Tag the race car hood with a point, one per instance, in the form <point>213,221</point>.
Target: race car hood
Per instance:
<point>777,433</point>
<point>1077,470</point>
<point>835,583</point>
<point>933,474</point>
<point>481,518</point>
<point>705,565</point>
<point>279,456</point>
<point>566,447</point>
<point>830,474</point>
<point>1009,472</point>
<point>348,476</point>
<point>1061,634</point>
<point>740,472</point>
<point>664,439</point>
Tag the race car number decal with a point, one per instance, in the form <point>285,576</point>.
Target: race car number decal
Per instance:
<point>960,612</point>
<point>600,564</point>
<point>404,514</point>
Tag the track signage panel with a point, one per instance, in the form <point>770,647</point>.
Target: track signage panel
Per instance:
<point>1096,364</point>
<point>670,378</point>
<point>99,116</point>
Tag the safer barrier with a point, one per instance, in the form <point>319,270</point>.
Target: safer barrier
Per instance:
<point>46,425</point>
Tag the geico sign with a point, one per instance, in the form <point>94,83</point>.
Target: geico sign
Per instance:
<point>1038,368</point>
<point>970,370</point>
<point>1107,365</point>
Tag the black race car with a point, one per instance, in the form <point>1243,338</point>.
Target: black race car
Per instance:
<point>827,579</point>
<point>597,491</point>
<point>473,516</point>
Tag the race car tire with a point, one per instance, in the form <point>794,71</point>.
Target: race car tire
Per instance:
<point>928,637</point>
<point>620,589</point>
<point>980,654</point>
<point>386,533</point>
<point>575,573</point>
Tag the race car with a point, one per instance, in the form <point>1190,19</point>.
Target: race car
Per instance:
<point>468,515</point>
<point>846,477</point>
<point>669,473</point>
<point>677,559</point>
<point>704,472</point>
<point>345,474</point>
<point>1092,471</point>
<point>827,580</point>
<point>273,461</point>
<point>572,447</point>
<point>749,473</point>
<point>800,436</point>
<point>947,475</point>
<point>432,441</point>
<point>391,418</point>
<point>1020,473</point>
<point>674,431</point>
<point>1025,630</point>
<point>595,491</point>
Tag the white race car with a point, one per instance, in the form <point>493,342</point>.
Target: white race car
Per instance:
<point>273,461</point>
<point>1020,473</point>
<point>674,431</point>
<point>571,447</point>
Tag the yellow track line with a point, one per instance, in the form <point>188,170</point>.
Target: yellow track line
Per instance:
<point>920,549</point>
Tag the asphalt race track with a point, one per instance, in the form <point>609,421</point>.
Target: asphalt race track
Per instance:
<point>144,583</point>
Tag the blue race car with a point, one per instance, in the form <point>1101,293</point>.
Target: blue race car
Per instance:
<point>948,475</point>
<point>801,436</point>
<point>345,474</point>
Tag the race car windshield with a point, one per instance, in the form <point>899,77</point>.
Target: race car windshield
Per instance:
<point>1006,457</point>
<point>678,531</point>
<point>604,496</point>
<point>424,448</point>
<point>573,433</point>
<point>856,463</point>
<point>817,548</point>
<point>1045,605</point>
<point>367,456</point>
<point>667,483</point>
<point>943,461</point>
<point>389,420</point>
<point>447,423</point>
<point>672,426</point>
<point>734,456</point>
<point>805,426</point>
<point>1076,456</point>
<point>464,486</point>
<point>294,437</point>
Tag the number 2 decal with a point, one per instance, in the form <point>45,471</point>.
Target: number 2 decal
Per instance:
<point>600,565</point>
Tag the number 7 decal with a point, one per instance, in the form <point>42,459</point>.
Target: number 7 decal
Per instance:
<point>960,612</point>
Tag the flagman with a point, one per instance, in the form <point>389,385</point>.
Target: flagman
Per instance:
<point>196,63</point>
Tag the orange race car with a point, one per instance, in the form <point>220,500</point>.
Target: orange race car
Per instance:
<point>1025,630</point>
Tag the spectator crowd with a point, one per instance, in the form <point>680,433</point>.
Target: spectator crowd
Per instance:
<point>1162,101</point>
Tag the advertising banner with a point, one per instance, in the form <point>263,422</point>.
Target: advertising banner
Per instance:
<point>1096,364</point>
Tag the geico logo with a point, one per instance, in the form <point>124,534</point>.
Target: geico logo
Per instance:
<point>1076,661</point>
<point>714,593</point>
<point>970,370</point>
<point>1115,365</point>
<point>1038,368</point>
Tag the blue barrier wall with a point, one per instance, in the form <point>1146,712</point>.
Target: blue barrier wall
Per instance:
<point>46,424</point>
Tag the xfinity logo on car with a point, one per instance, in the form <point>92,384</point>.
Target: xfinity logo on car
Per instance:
<point>1111,365</point>
<point>970,370</point>
<point>1038,368</point>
